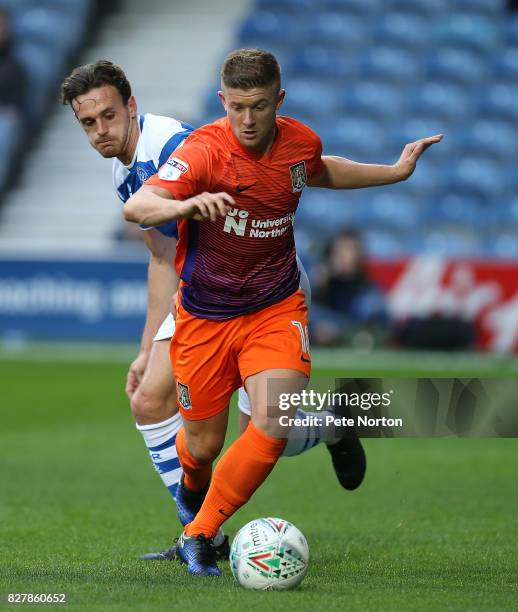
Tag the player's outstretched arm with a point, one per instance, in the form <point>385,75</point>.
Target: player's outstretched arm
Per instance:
<point>152,206</point>
<point>342,173</point>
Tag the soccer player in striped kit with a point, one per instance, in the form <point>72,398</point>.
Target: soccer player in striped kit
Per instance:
<point>234,188</point>
<point>101,98</point>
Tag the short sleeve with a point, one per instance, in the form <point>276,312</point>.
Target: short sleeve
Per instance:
<point>315,166</point>
<point>187,172</point>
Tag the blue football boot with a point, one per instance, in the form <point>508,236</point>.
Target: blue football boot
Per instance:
<point>199,554</point>
<point>188,503</point>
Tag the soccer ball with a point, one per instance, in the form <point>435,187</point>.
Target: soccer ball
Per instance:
<point>269,553</point>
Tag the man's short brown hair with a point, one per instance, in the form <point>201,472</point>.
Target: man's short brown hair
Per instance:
<point>90,76</point>
<point>249,68</point>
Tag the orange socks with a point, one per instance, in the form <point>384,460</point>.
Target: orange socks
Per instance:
<point>196,475</point>
<point>239,472</point>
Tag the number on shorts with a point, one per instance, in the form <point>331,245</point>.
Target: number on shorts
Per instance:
<point>304,335</point>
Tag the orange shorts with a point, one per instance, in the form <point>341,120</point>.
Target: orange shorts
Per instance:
<point>211,359</point>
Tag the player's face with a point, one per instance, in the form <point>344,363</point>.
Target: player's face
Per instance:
<point>251,113</point>
<point>106,120</point>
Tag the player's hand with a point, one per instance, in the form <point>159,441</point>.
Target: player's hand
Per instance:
<point>135,373</point>
<point>207,206</point>
<point>406,164</point>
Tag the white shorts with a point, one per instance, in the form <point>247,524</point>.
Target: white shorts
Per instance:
<point>166,331</point>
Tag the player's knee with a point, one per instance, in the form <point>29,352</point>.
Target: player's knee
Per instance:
<point>206,447</point>
<point>148,408</point>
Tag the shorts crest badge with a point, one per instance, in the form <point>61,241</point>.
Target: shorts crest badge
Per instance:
<point>184,397</point>
<point>298,176</point>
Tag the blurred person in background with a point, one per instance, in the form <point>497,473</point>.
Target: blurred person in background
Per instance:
<point>348,306</point>
<point>12,74</point>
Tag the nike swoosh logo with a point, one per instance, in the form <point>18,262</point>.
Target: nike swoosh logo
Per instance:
<point>222,511</point>
<point>241,188</point>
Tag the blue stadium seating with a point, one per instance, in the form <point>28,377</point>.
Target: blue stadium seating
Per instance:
<point>483,7</point>
<point>505,64</point>
<point>402,29</point>
<point>362,7</point>
<point>43,67</point>
<point>342,31</point>
<point>52,28</point>
<point>269,27</point>
<point>496,138</point>
<point>423,7</point>
<point>467,30</point>
<point>443,99</point>
<point>396,64</point>
<point>499,101</point>
<point>450,240</point>
<point>10,141</point>
<point>375,98</point>
<point>319,61</point>
<point>461,66</point>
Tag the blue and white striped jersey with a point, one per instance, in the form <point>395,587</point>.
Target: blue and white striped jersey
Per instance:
<point>159,137</point>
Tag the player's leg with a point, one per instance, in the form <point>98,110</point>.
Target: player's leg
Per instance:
<point>157,418</point>
<point>271,339</point>
<point>207,375</point>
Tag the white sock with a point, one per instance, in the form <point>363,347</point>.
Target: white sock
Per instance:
<point>160,439</point>
<point>304,437</point>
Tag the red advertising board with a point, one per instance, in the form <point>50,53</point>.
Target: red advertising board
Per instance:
<point>481,291</point>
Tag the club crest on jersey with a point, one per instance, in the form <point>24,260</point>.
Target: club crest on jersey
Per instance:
<point>173,169</point>
<point>184,397</point>
<point>298,176</point>
<point>142,174</point>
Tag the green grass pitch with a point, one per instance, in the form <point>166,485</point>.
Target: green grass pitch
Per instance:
<point>432,528</point>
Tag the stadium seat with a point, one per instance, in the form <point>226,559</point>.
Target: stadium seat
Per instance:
<point>390,208</point>
<point>80,8</point>
<point>499,101</point>
<point>334,28</point>
<point>511,29</point>
<point>505,65</point>
<point>285,6</point>
<point>401,29</point>
<point>54,28</point>
<point>325,210</point>
<point>467,30</point>
<point>310,98</point>
<point>422,7</point>
<point>493,8</point>
<point>450,240</point>
<point>10,135</point>
<point>502,244</point>
<point>442,99</point>
<point>321,61</point>
<point>495,138</point>
<point>458,207</point>
<point>378,99</point>
<point>363,7</point>
<point>391,63</point>
<point>462,66</point>
<point>480,176</point>
<point>267,26</point>
<point>44,69</point>
<point>352,136</point>
<point>386,244</point>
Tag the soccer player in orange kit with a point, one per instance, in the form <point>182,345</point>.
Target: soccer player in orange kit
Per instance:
<point>234,188</point>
